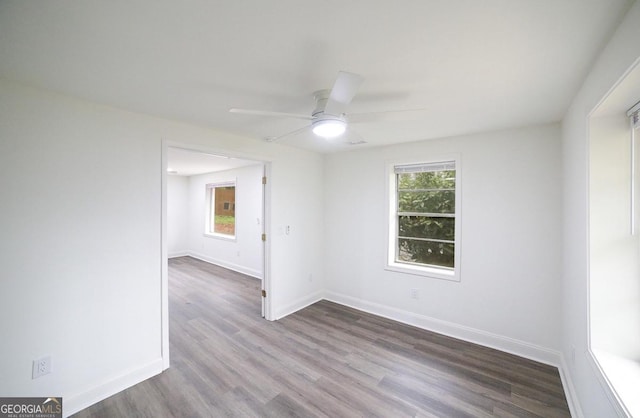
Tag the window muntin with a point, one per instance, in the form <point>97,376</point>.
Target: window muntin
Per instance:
<point>424,233</point>
<point>221,209</point>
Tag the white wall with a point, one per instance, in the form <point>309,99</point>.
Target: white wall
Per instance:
<point>80,239</point>
<point>300,248</point>
<point>617,57</point>
<point>244,253</point>
<point>177,215</point>
<point>509,291</point>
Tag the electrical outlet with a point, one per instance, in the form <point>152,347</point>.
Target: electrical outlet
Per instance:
<point>310,277</point>
<point>41,367</point>
<point>415,294</point>
<point>573,356</point>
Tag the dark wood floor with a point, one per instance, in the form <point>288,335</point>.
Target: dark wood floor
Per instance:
<point>326,361</point>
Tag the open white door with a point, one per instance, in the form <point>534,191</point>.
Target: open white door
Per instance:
<point>264,241</point>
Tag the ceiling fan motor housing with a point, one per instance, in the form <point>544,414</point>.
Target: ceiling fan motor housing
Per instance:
<point>326,125</point>
<point>321,96</point>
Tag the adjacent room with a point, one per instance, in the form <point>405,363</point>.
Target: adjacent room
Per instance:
<point>299,208</point>
<point>215,209</point>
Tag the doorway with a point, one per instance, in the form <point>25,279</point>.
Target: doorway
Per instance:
<point>214,208</point>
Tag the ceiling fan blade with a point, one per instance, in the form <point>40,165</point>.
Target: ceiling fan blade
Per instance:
<point>278,138</point>
<point>270,114</point>
<point>352,138</point>
<point>388,116</point>
<point>344,90</point>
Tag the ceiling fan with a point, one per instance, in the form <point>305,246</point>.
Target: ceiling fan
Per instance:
<point>329,119</point>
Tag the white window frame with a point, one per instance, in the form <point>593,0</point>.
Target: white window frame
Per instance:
<point>210,207</point>
<point>392,223</point>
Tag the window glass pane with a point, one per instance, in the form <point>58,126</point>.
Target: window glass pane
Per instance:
<point>429,180</point>
<point>426,252</point>
<point>425,214</point>
<point>438,201</point>
<point>426,227</point>
<point>224,213</point>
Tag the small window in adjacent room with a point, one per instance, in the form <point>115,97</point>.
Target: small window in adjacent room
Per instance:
<point>424,219</point>
<point>221,209</point>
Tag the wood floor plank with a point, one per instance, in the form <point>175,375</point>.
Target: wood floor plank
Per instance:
<point>326,360</point>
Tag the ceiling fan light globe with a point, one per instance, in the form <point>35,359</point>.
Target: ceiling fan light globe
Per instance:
<point>329,128</point>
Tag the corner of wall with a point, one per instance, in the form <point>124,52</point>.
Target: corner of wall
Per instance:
<point>298,304</point>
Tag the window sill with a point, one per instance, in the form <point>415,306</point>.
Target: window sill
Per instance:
<point>220,236</point>
<point>431,272</point>
<point>622,376</point>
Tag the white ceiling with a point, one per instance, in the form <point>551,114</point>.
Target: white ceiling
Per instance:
<point>183,162</point>
<point>470,65</point>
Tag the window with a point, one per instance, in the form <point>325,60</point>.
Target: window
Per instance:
<point>614,239</point>
<point>221,209</point>
<point>424,219</point>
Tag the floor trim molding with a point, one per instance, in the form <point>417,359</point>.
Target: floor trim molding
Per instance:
<point>75,403</point>
<point>301,303</point>
<point>235,267</point>
<point>486,339</point>
<point>569,390</point>
<point>473,335</point>
<point>178,254</point>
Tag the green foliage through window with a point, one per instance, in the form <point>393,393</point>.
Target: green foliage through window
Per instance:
<point>426,214</point>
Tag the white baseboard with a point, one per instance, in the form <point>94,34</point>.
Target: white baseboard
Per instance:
<point>569,390</point>
<point>222,263</point>
<point>299,304</point>
<point>78,402</point>
<point>462,332</point>
<point>178,254</point>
